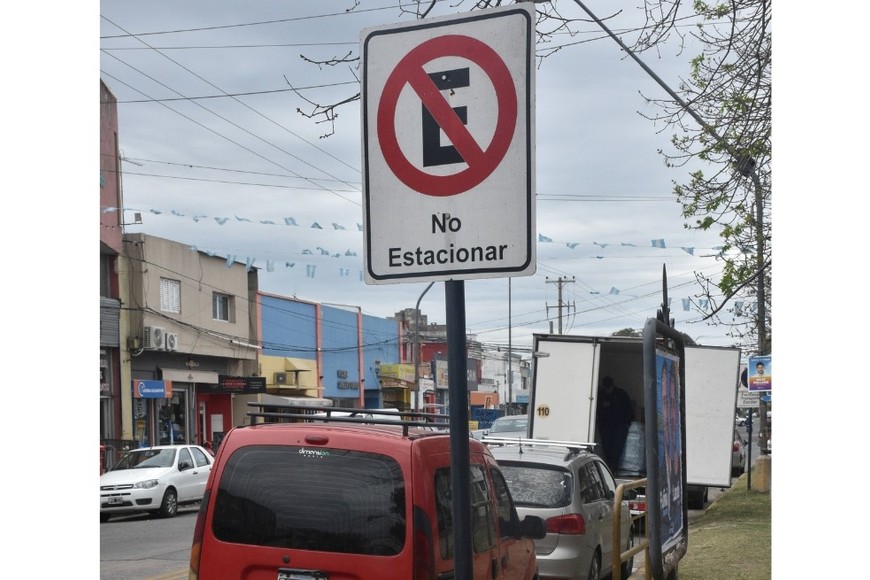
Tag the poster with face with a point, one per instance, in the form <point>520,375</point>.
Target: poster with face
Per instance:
<point>760,373</point>
<point>670,447</point>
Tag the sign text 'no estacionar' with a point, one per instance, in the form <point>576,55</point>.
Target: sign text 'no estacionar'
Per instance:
<point>448,154</point>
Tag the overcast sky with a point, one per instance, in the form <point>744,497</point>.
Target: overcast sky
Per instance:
<point>232,174</point>
<point>224,173</point>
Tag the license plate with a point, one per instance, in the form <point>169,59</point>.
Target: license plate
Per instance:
<point>115,500</point>
<point>287,574</point>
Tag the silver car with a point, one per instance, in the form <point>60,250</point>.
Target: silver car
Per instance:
<point>509,426</point>
<point>572,489</point>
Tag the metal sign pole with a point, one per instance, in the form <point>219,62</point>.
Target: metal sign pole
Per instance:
<point>460,458</point>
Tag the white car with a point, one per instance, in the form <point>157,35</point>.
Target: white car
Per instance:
<point>155,479</point>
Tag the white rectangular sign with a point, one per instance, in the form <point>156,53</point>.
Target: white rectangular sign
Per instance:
<point>748,399</point>
<point>448,147</point>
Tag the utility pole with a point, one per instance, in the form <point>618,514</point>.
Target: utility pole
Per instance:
<point>560,283</point>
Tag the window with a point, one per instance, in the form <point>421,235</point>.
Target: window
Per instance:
<point>508,519</point>
<point>482,521</point>
<point>595,491</point>
<point>538,485</point>
<point>607,480</point>
<point>201,458</point>
<point>222,306</point>
<point>170,295</point>
<point>326,500</point>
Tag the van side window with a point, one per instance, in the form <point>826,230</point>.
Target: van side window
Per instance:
<point>507,513</point>
<point>482,518</point>
<point>483,531</point>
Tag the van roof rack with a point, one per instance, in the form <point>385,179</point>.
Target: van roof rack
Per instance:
<point>574,447</point>
<point>288,413</point>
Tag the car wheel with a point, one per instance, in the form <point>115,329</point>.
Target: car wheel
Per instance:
<point>628,565</point>
<point>169,505</point>
<point>595,567</point>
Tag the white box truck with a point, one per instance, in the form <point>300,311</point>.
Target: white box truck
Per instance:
<point>568,370</point>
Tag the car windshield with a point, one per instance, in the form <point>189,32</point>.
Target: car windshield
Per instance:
<point>538,485</point>
<point>144,458</point>
<point>512,424</point>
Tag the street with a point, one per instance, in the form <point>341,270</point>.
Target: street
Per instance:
<point>141,547</point>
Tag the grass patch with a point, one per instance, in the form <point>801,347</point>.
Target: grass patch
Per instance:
<point>732,539</point>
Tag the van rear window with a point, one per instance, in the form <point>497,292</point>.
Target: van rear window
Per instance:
<point>312,498</point>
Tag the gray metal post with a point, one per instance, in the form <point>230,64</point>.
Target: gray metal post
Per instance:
<point>460,457</point>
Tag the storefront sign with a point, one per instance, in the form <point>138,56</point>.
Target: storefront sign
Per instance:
<point>236,385</point>
<point>151,389</point>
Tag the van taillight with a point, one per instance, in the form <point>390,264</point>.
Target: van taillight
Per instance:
<point>639,506</point>
<point>424,554</point>
<point>571,524</point>
<point>198,528</point>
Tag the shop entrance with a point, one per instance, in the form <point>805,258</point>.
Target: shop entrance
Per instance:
<point>173,423</point>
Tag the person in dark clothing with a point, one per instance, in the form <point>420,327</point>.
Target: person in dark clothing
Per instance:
<point>614,419</point>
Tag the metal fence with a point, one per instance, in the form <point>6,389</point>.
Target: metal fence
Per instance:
<point>638,524</point>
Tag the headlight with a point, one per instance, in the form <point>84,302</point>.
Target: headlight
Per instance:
<point>147,484</point>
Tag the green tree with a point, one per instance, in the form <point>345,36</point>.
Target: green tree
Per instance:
<point>729,89</point>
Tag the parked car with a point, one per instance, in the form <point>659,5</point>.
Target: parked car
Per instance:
<point>509,426</point>
<point>155,479</point>
<point>367,499</point>
<point>573,490</point>
<point>739,421</point>
<point>738,456</point>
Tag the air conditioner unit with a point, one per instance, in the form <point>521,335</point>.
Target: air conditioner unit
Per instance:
<point>155,337</point>
<point>280,378</point>
<point>171,341</point>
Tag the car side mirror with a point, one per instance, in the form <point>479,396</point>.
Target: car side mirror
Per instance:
<point>533,527</point>
<point>184,465</point>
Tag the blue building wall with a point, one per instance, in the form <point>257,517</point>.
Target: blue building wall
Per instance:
<point>288,327</point>
<point>381,346</point>
<point>340,347</point>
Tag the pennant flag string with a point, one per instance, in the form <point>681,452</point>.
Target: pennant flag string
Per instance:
<point>291,221</point>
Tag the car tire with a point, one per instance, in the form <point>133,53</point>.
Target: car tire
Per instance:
<point>595,567</point>
<point>169,505</point>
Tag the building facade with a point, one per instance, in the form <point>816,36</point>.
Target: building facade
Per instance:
<point>192,343</point>
<point>331,352</point>
<point>111,248</point>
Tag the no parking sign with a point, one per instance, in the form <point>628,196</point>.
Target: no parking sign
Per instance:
<point>448,147</point>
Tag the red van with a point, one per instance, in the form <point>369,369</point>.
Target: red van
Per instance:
<point>350,501</point>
